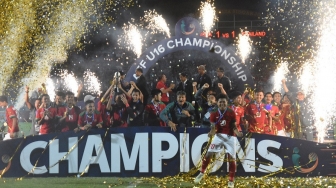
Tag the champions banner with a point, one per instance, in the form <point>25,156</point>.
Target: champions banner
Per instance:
<point>156,151</point>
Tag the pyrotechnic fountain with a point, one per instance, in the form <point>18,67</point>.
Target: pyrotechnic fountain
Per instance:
<point>208,16</point>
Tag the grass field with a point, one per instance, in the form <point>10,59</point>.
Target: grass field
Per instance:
<point>72,182</point>
<point>169,182</point>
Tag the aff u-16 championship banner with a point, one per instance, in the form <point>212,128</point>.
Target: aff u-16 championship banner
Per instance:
<point>156,151</point>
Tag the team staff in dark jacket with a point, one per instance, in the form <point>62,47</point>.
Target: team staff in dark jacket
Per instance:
<point>178,114</point>
<point>141,83</point>
<point>186,86</point>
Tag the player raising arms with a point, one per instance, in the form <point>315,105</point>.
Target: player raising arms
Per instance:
<point>223,127</point>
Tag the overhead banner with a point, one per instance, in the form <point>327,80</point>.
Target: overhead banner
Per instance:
<point>156,151</point>
<point>188,31</point>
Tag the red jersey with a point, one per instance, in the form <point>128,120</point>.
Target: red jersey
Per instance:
<point>271,128</point>
<point>106,115</point>
<point>118,116</point>
<point>276,112</point>
<point>165,96</point>
<point>152,114</point>
<point>48,122</point>
<point>70,122</point>
<point>225,123</point>
<point>256,116</point>
<point>239,111</point>
<point>92,119</point>
<point>10,114</point>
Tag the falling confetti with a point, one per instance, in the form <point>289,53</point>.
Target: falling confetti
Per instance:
<point>14,39</point>
<point>69,27</point>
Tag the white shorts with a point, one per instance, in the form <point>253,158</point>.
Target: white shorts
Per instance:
<point>221,141</point>
<point>7,136</point>
<point>281,133</point>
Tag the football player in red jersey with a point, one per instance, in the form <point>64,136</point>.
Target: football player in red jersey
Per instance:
<point>223,128</point>
<point>46,116</point>
<point>272,112</point>
<point>90,118</point>
<point>255,115</point>
<point>69,113</point>
<point>11,119</point>
<point>280,125</point>
<point>238,109</point>
<point>153,110</point>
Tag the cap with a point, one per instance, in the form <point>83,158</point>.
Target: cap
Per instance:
<point>220,69</point>
<point>89,97</point>
<point>184,74</point>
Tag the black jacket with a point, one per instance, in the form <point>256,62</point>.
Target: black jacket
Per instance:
<point>201,80</point>
<point>225,81</point>
<point>188,89</point>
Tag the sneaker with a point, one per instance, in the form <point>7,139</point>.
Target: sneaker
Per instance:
<point>231,184</point>
<point>198,178</point>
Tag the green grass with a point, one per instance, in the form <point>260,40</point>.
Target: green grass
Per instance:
<point>167,182</point>
<point>73,182</point>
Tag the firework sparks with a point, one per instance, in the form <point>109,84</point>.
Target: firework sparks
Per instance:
<point>156,22</point>
<point>70,81</point>
<point>279,75</point>
<point>50,87</point>
<point>244,47</point>
<point>92,83</point>
<point>306,78</point>
<point>323,98</point>
<point>208,16</point>
<point>133,38</point>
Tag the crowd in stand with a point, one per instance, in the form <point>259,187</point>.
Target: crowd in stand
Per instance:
<point>130,104</point>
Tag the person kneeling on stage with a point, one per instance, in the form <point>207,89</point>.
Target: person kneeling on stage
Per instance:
<point>181,112</point>
<point>11,119</point>
<point>223,127</point>
<point>90,118</point>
